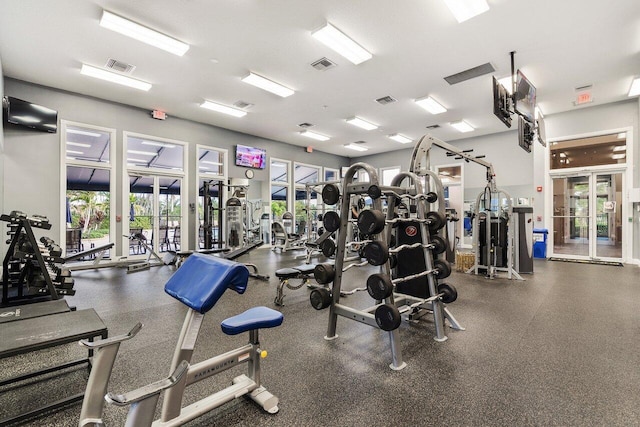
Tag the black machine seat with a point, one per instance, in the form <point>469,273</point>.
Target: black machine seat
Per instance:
<point>48,331</point>
<point>306,269</point>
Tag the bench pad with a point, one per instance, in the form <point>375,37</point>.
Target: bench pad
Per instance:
<point>305,268</point>
<point>202,280</point>
<point>254,318</point>
<point>287,273</point>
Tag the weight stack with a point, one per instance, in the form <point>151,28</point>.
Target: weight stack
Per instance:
<point>410,261</point>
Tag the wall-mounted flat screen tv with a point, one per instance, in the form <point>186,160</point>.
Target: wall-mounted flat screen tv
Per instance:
<point>34,116</point>
<point>251,157</point>
<point>525,98</point>
<point>525,134</point>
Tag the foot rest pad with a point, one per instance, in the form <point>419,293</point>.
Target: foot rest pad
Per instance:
<point>254,318</point>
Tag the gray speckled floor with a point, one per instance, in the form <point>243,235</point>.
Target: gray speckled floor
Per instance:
<point>561,349</point>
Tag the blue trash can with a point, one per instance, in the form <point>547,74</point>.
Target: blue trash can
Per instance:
<point>540,242</point>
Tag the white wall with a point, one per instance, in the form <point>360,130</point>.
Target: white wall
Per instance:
<point>32,159</point>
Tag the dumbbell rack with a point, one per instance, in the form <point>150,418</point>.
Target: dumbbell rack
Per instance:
<point>20,223</point>
<point>367,316</point>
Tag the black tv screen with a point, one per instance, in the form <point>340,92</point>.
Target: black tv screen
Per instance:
<point>542,134</point>
<point>525,134</point>
<point>34,116</point>
<point>501,103</point>
<point>251,157</point>
<point>525,98</point>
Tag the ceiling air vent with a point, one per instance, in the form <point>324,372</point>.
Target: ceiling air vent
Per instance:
<point>119,66</point>
<point>469,74</point>
<point>305,125</point>
<point>323,64</point>
<point>359,142</point>
<point>583,88</point>
<point>433,127</point>
<point>242,105</point>
<point>386,100</point>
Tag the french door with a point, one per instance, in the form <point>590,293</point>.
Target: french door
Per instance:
<point>155,211</point>
<point>587,215</point>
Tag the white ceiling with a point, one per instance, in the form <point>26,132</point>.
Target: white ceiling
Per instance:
<point>560,44</point>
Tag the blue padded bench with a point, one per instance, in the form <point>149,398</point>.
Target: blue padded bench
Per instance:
<point>254,318</point>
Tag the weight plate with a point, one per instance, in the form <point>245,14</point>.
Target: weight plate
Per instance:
<point>328,247</point>
<point>388,317</point>
<point>439,245</point>
<point>374,192</point>
<point>431,197</point>
<point>449,293</point>
<point>331,221</point>
<point>371,221</point>
<point>379,286</point>
<point>376,252</point>
<point>320,298</point>
<point>436,221</point>
<point>324,273</point>
<point>443,267</point>
<point>330,194</point>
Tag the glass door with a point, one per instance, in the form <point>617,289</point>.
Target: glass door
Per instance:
<point>587,216</point>
<point>155,213</point>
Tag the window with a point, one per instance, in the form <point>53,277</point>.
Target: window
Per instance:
<point>154,153</point>
<point>610,149</point>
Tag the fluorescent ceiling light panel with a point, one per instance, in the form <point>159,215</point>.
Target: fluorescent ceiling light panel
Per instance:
<point>144,34</point>
<point>618,156</point>
<point>356,147</point>
<point>361,123</point>
<point>268,85</point>
<point>78,144</point>
<point>341,43</point>
<point>462,126</point>
<point>143,153</point>
<point>431,105</point>
<point>635,87</point>
<point>99,73</point>
<point>159,144</point>
<point>314,135</point>
<point>223,109</point>
<point>83,132</point>
<point>622,135</point>
<point>400,138</point>
<point>466,9</point>
<point>620,148</point>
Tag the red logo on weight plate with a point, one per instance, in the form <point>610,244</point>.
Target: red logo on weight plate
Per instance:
<point>411,231</point>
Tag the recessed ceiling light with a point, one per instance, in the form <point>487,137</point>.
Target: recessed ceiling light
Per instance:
<point>466,9</point>
<point>622,135</point>
<point>635,87</point>
<point>431,105</point>
<point>144,34</point>
<point>400,138</point>
<point>341,43</point>
<point>563,155</point>
<point>83,132</point>
<point>78,144</point>
<point>462,126</point>
<point>361,123</point>
<point>99,73</point>
<point>268,85</point>
<point>158,144</point>
<point>314,135</point>
<point>143,153</point>
<point>356,147</point>
<point>620,148</point>
<point>210,105</point>
<point>618,156</point>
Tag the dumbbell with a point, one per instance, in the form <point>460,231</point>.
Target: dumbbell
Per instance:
<point>331,221</point>
<point>330,194</point>
<point>324,273</point>
<point>328,247</point>
<point>388,317</point>
<point>431,197</point>
<point>373,221</point>
<point>320,298</point>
